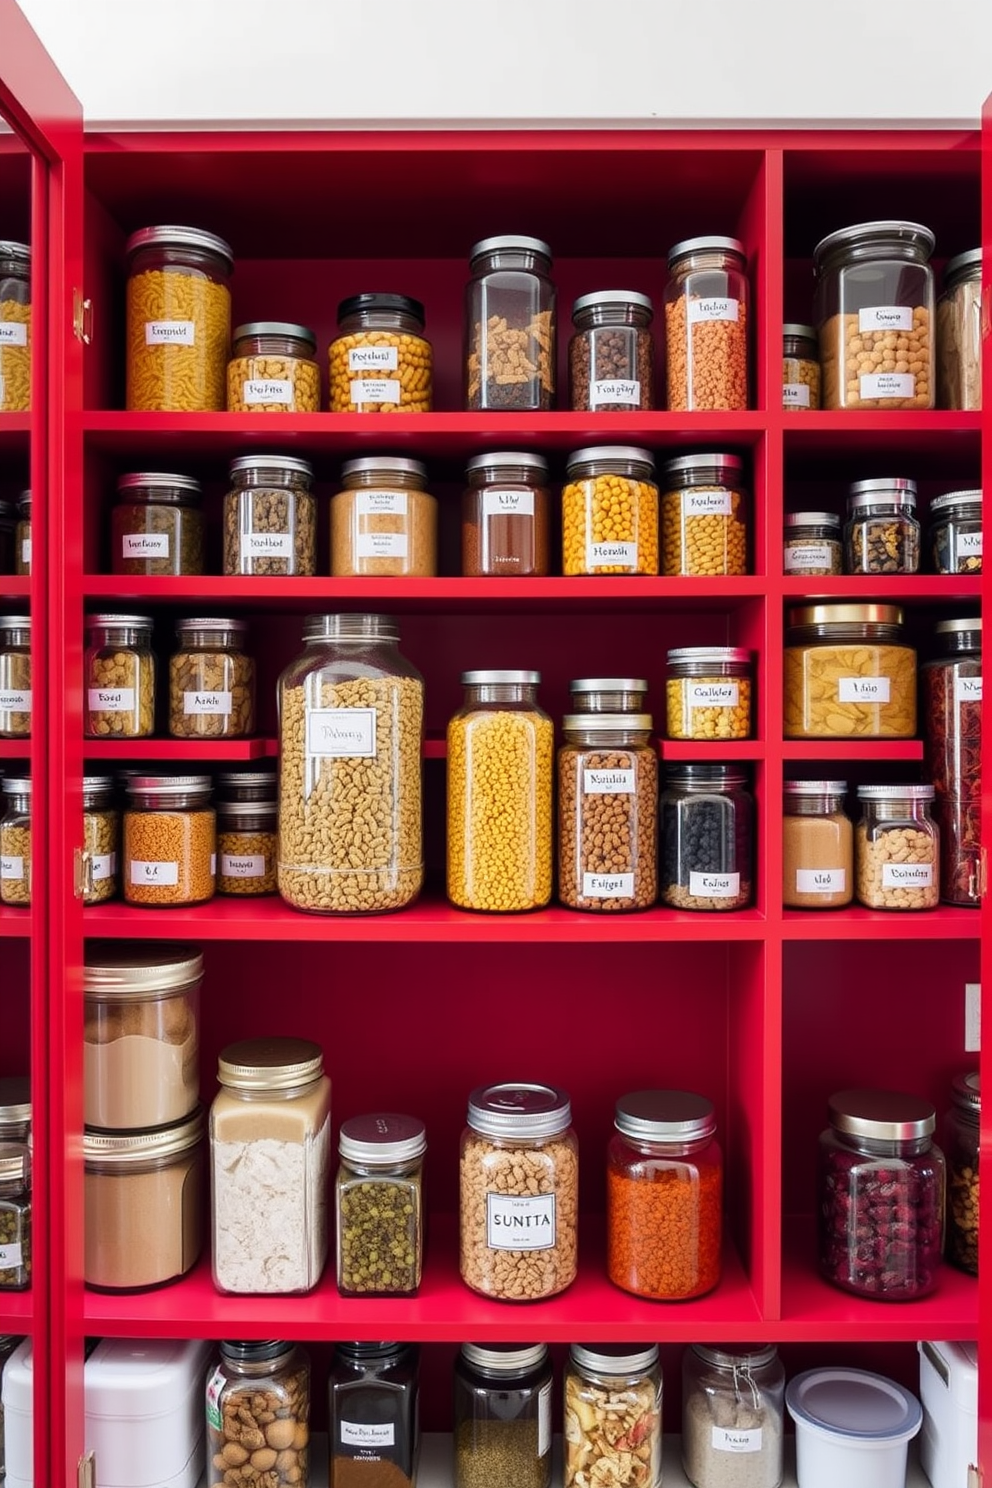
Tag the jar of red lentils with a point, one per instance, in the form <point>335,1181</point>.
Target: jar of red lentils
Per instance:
<point>706,324</point>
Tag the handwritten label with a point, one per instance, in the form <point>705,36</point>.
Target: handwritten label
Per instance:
<point>907,875</point>
<point>13,333</point>
<point>706,504</point>
<point>967,689</point>
<point>110,699</point>
<point>362,1434</point>
<point>251,866</point>
<point>887,385</point>
<point>341,733</point>
<point>375,390</point>
<point>11,867</point>
<point>11,1256</point>
<point>266,545</point>
<point>16,702</point>
<point>806,556</point>
<point>713,694</point>
<point>145,545</point>
<point>969,544</point>
<point>496,503</point>
<point>795,395</point>
<point>520,1223</point>
<point>381,503</point>
<point>710,308</point>
<point>216,704</point>
<point>863,689</point>
<point>268,390</point>
<point>103,866</point>
<point>607,886</point>
<point>166,874</point>
<point>615,390</point>
<point>373,359</point>
<point>611,555</point>
<point>170,333</point>
<point>381,545</point>
<point>714,885</point>
<point>885,318</point>
<point>608,782</point>
<point>821,880</point>
<point>25,542</point>
<point>725,1440</point>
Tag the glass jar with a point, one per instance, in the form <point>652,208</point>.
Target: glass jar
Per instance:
<point>952,754</point>
<point>8,533</point>
<point>380,361</point>
<point>706,313</point>
<point>708,693</point>
<point>510,326</point>
<point>211,681</point>
<point>500,761</point>
<point>874,314</point>
<point>704,521</point>
<point>15,1109</point>
<point>170,840</point>
<point>881,1195</point>
<point>379,1206</point>
<point>270,517</point>
<point>120,677</point>
<point>956,532</point>
<point>817,845</point>
<point>15,327</point>
<point>248,785</point>
<point>15,842</point>
<point>273,369</point>
<point>607,813</point>
<point>519,1193</point>
<point>374,1415</point>
<point>22,541</point>
<point>15,1217</point>
<point>897,848</point>
<point>270,1142</point>
<point>503,1415</point>
<point>611,354</point>
<point>664,1196</point>
<point>882,534</point>
<point>800,367</point>
<point>101,844</point>
<point>812,544</point>
<point>732,1415</point>
<point>506,515</point>
<point>384,520</point>
<point>609,512</point>
<point>959,333</point>
<point>15,676</point>
<point>961,1144</point>
<point>156,527</point>
<point>351,715</point>
<point>178,319</point>
<point>849,673</point>
<point>608,694</point>
<point>612,1416</point>
<point>247,848</point>
<point>259,1393</point>
<point>707,835</point>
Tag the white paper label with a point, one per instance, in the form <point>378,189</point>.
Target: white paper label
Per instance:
<point>11,1256</point>
<point>887,385</point>
<point>216,704</point>
<point>713,695</point>
<point>13,333</point>
<point>607,886</point>
<point>341,733</point>
<point>170,333</point>
<point>110,699</point>
<point>268,390</point>
<point>714,885</point>
<point>608,782</point>
<point>375,390</point>
<point>215,1388</point>
<point>15,702</point>
<point>381,545</point>
<point>795,395</point>
<point>708,308</point>
<point>381,503</point>
<point>706,504</point>
<point>886,318</point>
<point>252,866</point>
<point>723,1440</point>
<point>11,867</point>
<point>266,545</point>
<point>969,544</point>
<point>615,390</point>
<point>213,862</point>
<point>166,874</point>
<point>145,545</point>
<point>496,503</point>
<point>26,542</point>
<point>907,875</point>
<point>544,1420</point>
<point>3,391</point>
<point>373,358</point>
<point>809,555</point>
<point>821,880</point>
<point>525,1223</point>
<point>863,689</point>
<point>381,1434</point>
<point>967,689</point>
<point>103,866</point>
<point>611,555</point>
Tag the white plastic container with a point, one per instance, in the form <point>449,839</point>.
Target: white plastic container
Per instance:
<point>18,1393</point>
<point>144,1411</point>
<point>949,1392</point>
<point>853,1428</point>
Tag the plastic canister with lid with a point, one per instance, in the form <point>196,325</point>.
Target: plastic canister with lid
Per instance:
<point>949,1396</point>
<point>852,1428</point>
<point>144,1411</point>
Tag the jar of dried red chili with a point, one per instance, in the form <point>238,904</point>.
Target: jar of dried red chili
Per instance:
<point>952,723</point>
<point>664,1186</point>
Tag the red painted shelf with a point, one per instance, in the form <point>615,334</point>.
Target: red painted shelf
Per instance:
<point>14,922</point>
<point>205,750</point>
<point>15,749</point>
<point>853,749</point>
<point>894,588</point>
<point>15,431</point>
<point>856,923</point>
<point>717,752</point>
<point>15,586</point>
<point>16,1312</point>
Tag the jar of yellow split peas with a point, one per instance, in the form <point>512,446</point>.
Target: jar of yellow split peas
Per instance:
<point>610,512</point>
<point>178,320</point>
<point>380,361</point>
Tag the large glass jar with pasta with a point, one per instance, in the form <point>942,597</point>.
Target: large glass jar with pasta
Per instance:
<point>178,320</point>
<point>849,673</point>
<point>612,1416</point>
<point>15,327</point>
<point>380,361</point>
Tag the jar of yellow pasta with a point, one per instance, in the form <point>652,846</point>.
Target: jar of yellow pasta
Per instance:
<point>609,512</point>
<point>178,320</point>
<point>15,327</point>
<point>272,369</point>
<point>849,673</point>
<point>380,361</point>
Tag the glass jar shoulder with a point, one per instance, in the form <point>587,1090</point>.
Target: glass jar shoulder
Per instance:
<point>264,1115</point>
<point>322,668</point>
<point>662,1162</point>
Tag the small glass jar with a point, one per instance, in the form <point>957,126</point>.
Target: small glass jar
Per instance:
<point>706,315</point>
<point>120,677</point>
<point>704,521</point>
<point>664,1196</point>
<point>607,813</point>
<point>952,755</point>
<point>170,840</point>
<point>15,842</point>
<point>15,1109</point>
<point>732,1415</point>
<point>609,512</point>
<point>611,354</point>
<point>708,693</point>
<point>258,1396</point>
<point>519,1193</point>
<point>506,516</point>
<point>882,534</point>
<point>384,520</point>
<point>273,369</point>
<point>247,785</point>
<point>156,527</point>
<point>178,319</point>
<point>812,544</point>
<point>270,1144</point>
<point>211,681</point>
<point>897,848</point>
<point>15,676</point>
<point>22,540</point>
<point>961,1146</point>
<point>270,518</point>
<point>247,848</point>
<point>15,1217</point>
<point>959,333</point>
<point>849,673</point>
<point>374,1414</point>
<point>101,845</point>
<point>608,694</point>
<point>707,837</point>
<point>15,327</point>
<point>8,533</point>
<point>800,367</point>
<point>380,360</point>
<point>612,1402</point>
<point>510,326</point>
<point>956,532</point>
<point>817,845</point>
<point>881,1195</point>
<point>500,763</point>
<point>874,315</point>
<point>380,1221</point>
<point>503,1415</point>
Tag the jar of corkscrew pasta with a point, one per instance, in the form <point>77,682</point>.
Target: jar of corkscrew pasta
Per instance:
<point>178,319</point>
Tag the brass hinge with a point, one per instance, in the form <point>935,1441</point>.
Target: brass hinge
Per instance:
<point>86,1471</point>
<point>81,881</point>
<point>983,859</point>
<point>82,317</point>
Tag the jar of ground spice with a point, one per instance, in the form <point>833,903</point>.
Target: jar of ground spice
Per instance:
<point>258,1407</point>
<point>379,1206</point>
<point>812,544</point>
<point>961,1145</point>
<point>732,1415</point>
<point>611,354</point>
<point>170,840</point>
<point>503,1416</point>
<point>882,535</point>
<point>374,1415</point>
<point>156,527</point>
<point>506,516</point>
<point>607,812</point>
<point>384,520</point>
<point>817,845</point>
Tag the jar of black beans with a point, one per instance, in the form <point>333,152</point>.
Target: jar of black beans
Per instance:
<point>707,834</point>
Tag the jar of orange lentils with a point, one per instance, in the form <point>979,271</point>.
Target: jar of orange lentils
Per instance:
<point>664,1196</point>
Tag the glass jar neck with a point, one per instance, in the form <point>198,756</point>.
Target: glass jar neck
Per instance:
<point>961,644</point>
<point>270,1093</point>
<point>684,787</point>
<point>260,821</point>
<point>966,1112</point>
<point>14,1188</point>
<point>618,313</point>
<point>15,637</point>
<point>355,630</point>
<point>101,800</point>
<point>501,692</point>
<point>164,255</point>
<point>381,320</point>
<point>273,1363</point>
<point>837,632</point>
<point>896,811</point>
<point>701,259</point>
<point>264,477</point>
<point>275,343</point>
<point>152,800</point>
<point>525,260</point>
<point>208,640</point>
<point>801,347</point>
<point>506,475</point>
<point>702,476</point>
<point>16,803</point>
<point>155,496</point>
<point>631,469</point>
<point>385,478</point>
<point>826,805</point>
<point>667,1147</point>
<point>711,668</point>
<point>132,636</point>
<point>592,737</point>
<point>893,250</point>
<point>15,267</point>
<point>884,1147</point>
<point>387,1167</point>
<point>884,506</point>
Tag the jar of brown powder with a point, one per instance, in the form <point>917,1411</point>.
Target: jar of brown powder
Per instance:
<point>818,845</point>
<point>505,516</point>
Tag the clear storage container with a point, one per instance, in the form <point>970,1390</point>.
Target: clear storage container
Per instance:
<point>506,513</point>
<point>15,676</point>
<point>374,1414</point>
<point>952,754</point>
<point>959,333</point>
<point>609,512</point>
<point>707,838</point>
<point>15,327</point>
<point>247,847</point>
<point>704,521</point>
<point>607,813</point>
<point>384,520</point>
<point>156,527</point>
<point>101,840</point>
<point>733,1408</point>
<point>812,544</point>
<point>956,532</point>
<point>15,842</point>
<point>612,1416</point>
<point>273,369</point>
<point>897,848</point>
<point>178,319</point>
<point>608,694</point>
<point>270,517</point>
<point>708,693</point>
<point>380,360</point>
<point>611,354</point>
<point>143,1401</point>
<point>510,328</point>
<point>961,1143</point>
<point>503,1415</point>
<point>211,681</point>
<point>882,534</point>
<point>22,540</point>
<point>15,1217</point>
<point>120,677</point>
<point>380,1221</point>
<point>258,1401</point>
<point>817,845</point>
<point>849,673</point>
<point>800,367</point>
<point>170,840</point>
<point>706,324</point>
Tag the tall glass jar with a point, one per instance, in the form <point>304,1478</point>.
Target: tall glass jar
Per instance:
<point>961,1143</point>
<point>15,676</point>
<point>22,542</point>
<point>608,694</point>
<point>708,692</point>
<point>849,673</point>
<point>817,845</point>
<point>15,327</point>
<point>812,544</point>
<point>15,1217</point>
<point>120,677</point>
<point>270,517</point>
<point>101,843</point>
<point>800,367</point>
<point>707,838</point>
<point>15,842</point>
<point>506,512</point>
<point>270,1142</point>
<point>897,848</point>
<point>611,354</point>
<point>733,1415</point>
<point>704,521</point>
<point>178,319</point>
<point>273,369</point>
<point>247,848</point>
<point>258,1401</point>
<point>156,527</point>
<point>351,717</point>
<point>956,532</point>
<point>211,681</point>
<point>959,333</point>
<point>510,356</point>
<point>609,512</point>
<point>380,360</point>
<point>380,1221</point>
<point>882,533</point>
<point>607,812</point>
<point>374,1415</point>
<point>612,1416</point>
<point>706,315</point>
<point>503,1415</point>
<point>170,840</point>
<point>500,761</point>
<point>384,520</point>
<point>952,754</point>
<point>664,1196</point>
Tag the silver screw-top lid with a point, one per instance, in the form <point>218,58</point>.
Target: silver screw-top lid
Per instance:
<point>958,627</point>
<point>509,243</point>
<point>212,625</point>
<point>140,787</point>
<point>793,328</point>
<point>895,792</point>
<point>275,328</point>
<point>385,465</point>
<point>500,678</point>
<point>665,1116</point>
<point>886,491</point>
<point>963,266</point>
<point>119,622</point>
<point>814,787</point>
<point>882,234</point>
<point>952,500</point>
<point>881,1115</point>
<point>812,519</point>
<point>505,1358</point>
<point>355,629</point>
<point>385,1138</point>
<point>125,1148</point>
<point>606,723</point>
<point>715,654</point>
<point>966,1091</point>
<point>722,464</point>
<point>612,297</point>
<point>291,463</point>
<point>172,236</point>
<point>15,622</point>
<point>607,684</point>
<point>501,459</point>
<point>714,244</point>
<point>519,1110</point>
<point>605,454</point>
<point>613,1358</point>
<point>157,481</point>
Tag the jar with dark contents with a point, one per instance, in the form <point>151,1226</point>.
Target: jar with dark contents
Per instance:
<point>607,813</point>
<point>608,694</point>
<point>156,527</point>
<point>380,1220</point>
<point>952,753</point>
<point>506,516</point>
<point>270,517</point>
<point>510,326</point>
<point>101,839</point>
<point>800,367</point>
<point>22,538</point>
<point>380,360</point>
<point>503,1416</point>
<point>812,544</point>
<point>961,1143</point>
<point>258,1402</point>
<point>374,1415</point>
<point>882,534</point>
<point>15,1217</point>
<point>956,532</point>
<point>707,835</point>
<point>611,354</point>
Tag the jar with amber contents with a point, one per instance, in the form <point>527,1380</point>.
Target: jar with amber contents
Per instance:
<point>708,692</point>
<point>703,515</point>
<point>273,369</point>
<point>120,677</point>
<point>170,840</point>
<point>506,516</point>
<point>849,673</point>
<point>609,512</point>
<point>380,361</point>
<point>247,848</point>
<point>156,527</point>
<point>384,520</point>
<point>800,367</point>
<point>817,845</point>
<point>101,841</point>
<point>178,320</point>
<point>15,327</point>
<point>706,313</point>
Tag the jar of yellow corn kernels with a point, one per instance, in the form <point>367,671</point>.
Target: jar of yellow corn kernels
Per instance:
<point>178,319</point>
<point>703,516</point>
<point>708,693</point>
<point>272,369</point>
<point>15,327</point>
<point>610,512</point>
<point>380,361</point>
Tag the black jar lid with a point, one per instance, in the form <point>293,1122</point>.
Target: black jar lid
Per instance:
<point>371,1350</point>
<point>254,1351</point>
<point>962,266</point>
<point>881,1115</point>
<point>873,239</point>
<point>360,303</point>
<point>665,1116</point>
<point>793,328</point>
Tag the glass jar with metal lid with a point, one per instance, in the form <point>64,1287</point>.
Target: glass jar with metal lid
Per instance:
<point>15,842</point>
<point>247,847</point>
<point>374,1414</point>
<point>384,520</point>
<point>178,319</point>
<point>273,369</point>
<point>706,315</point>
<point>608,694</point>
<point>120,677</point>
<point>812,544</point>
<point>611,354</point>
<point>270,517</point>
<point>15,327</point>
<point>882,534</point>
<point>881,1195</point>
<point>897,848</point>
<point>247,785</point>
<point>519,1193</point>
<point>270,1135</point>
<point>380,361</point>
<point>15,676</point>
<point>609,512</point>
<point>101,844</point>
<point>961,1128</point>
<point>817,845</point>
<point>707,837</point>
<point>506,512</point>
<point>156,527</point>
<point>952,755</point>
<point>849,673</point>
<point>260,1392</point>
<point>612,1415</point>
<point>503,1415</point>
<point>733,1399</point>
<point>959,333</point>
<point>170,840</point>
<point>875,315</point>
<point>708,692</point>
<point>211,681</point>
<point>378,1191</point>
<point>8,531</point>
<point>15,1109</point>
<point>704,521</point>
<point>956,532</point>
<point>15,1217</point>
<point>607,813</point>
<point>664,1196</point>
<point>510,328</point>
<point>22,540</point>
<point>800,367</point>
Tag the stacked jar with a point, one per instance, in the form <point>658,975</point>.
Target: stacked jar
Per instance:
<point>708,693</point>
<point>170,840</point>
<point>178,319</point>
<point>270,517</point>
<point>607,812</point>
<point>156,526</point>
<point>15,842</point>
<point>952,733</point>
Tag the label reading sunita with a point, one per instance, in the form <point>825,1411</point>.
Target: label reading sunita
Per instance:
<point>808,555</point>
<point>16,702</point>
<point>615,390</point>
<point>863,689</point>
<point>520,1223</point>
<point>907,875</point>
<point>611,555</point>
<point>381,503</point>
<point>216,704</point>
<point>967,689</point>
<point>360,1434</point>
<point>268,390</point>
<point>887,385</point>
<point>707,504</point>
<point>608,782</point>
<point>795,394</point>
<point>170,333</point>
<point>11,867</point>
<point>381,545</point>
<point>714,885</point>
<point>11,1256</point>
<point>496,503</point>
<point>145,545</point>
<point>709,308</point>
<point>266,545</point>
<point>375,390</point>
<point>821,880</point>
<point>154,874</point>
<point>724,1440</point>
<point>13,333</point>
<point>341,733</point>
<point>607,886</point>
<point>885,318</point>
<point>251,866</point>
<point>110,699</point>
<point>713,694</point>
<point>373,359</point>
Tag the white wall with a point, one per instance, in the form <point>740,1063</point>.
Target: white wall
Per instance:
<point>664,62</point>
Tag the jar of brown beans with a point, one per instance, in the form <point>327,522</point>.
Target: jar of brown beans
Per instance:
<point>211,681</point>
<point>273,369</point>
<point>170,840</point>
<point>380,361</point>
<point>120,677</point>
<point>246,847</point>
<point>704,523</point>
<point>607,812</point>
<point>384,520</point>
<point>156,528</point>
<point>506,516</point>
<point>706,311</point>
<point>270,517</point>
<point>611,354</point>
<point>812,544</point>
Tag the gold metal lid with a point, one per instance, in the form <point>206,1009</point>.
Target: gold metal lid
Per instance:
<point>846,614</point>
<point>270,1064</point>
<point>133,1147</point>
<point>115,968</point>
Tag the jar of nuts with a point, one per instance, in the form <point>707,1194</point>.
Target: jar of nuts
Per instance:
<point>506,516</point>
<point>959,333</point>
<point>380,1206</point>
<point>800,367</point>
<point>15,1217</point>
<point>101,843</point>
<point>178,319</point>
<point>611,354</point>
<point>519,1192</point>
<point>15,842</point>
<point>510,356</point>
<point>961,1146</point>
<point>607,812</point>
<point>897,848</point>
<point>156,528</point>
<point>708,693</point>
<point>703,515</point>
<point>247,847</point>
<point>380,361</point>
<point>22,541</point>
<point>882,535</point>
<point>956,532</point>
<point>270,517</point>
<point>384,520</point>
<point>502,1415</point>
<point>849,673</point>
<point>273,369</point>
<point>609,512</point>
<point>608,694</point>
<point>211,681</point>
<point>812,544</point>
<point>170,840</point>
<point>706,313</point>
<point>120,677</point>
<point>707,834</point>
<point>15,327</point>
<point>258,1414</point>
<point>612,1416</point>
<point>15,676</point>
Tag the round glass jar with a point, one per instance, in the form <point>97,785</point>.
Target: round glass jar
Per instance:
<point>952,755</point>
<point>961,1143</point>
<point>503,1415</point>
<point>708,693</point>
<point>704,521</point>
<point>706,313</point>
<point>211,681</point>
<point>170,840</point>
<point>15,327</point>
<point>15,1109</point>
<point>374,1414</point>
<point>384,520</point>
<point>506,514</point>
<point>664,1196</point>
<point>378,1195</point>
<point>15,1217</point>
<point>8,533</point>
<point>247,847</point>
<point>959,333</point>
<point>101,845</point>
<point>120,677</point>
<point>156,527</point>
<point>881,1195</point>
<point>608,694</point>
<point>611,354</point>
<point>956,532</point>
<point>259,1392</point>
<point>15,676</point>
<point>607,813</point>
<point>848,673</point>
<point>273,369</point>
<point>817,845</point>
<point>270,517</point>
<point>248,785</point>
<point>380,360</point>
<point>612,1416</point>
<point>510,326</point>
<point>800,367</point>
<point>351,718</point>
<point>22,538</point>
<point>609,512</point>
<point>270,1144</point>
<point>178,319</point>
<point>707,838</point>
<point>15,842</point>
<point>812,544</point>
<point>882,534</point>
<point>897,848</point>
<point>519,1193</point>
<point>733,1400</point>
<point>500,764</point>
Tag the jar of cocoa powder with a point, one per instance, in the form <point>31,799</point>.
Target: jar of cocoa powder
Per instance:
<point>505,516</point>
